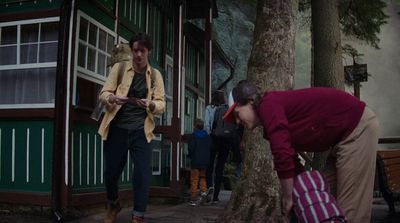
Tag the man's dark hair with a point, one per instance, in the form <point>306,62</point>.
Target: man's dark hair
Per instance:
<point>143,39</point>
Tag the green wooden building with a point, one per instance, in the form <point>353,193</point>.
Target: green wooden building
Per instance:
<point>54,58</point>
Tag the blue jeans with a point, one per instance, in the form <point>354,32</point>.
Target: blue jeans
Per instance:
<point>116,148</point>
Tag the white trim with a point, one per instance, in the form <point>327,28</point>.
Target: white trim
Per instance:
<point>179,62</point>
<point>102,162</point>
<point>80,158</point>
<point>94,160</point>
<point>87,158</point>
<point>201,104</point>
<point>170,162</point>
<point>128,166</point>
<point>42,157</point>
<point>72,158</point>
<point>12,106</point>
<point>30,21</point>
<point>90,76</point>
<point>68,98</point>
<point>28,66</point>
<point>177,160</point>
<point>147,18</point>
<point>27,154</point>
<point>13,156</point>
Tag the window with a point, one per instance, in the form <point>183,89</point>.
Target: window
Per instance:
<point>28,60</point>
<point>95,45</point>
<point>93,58</point>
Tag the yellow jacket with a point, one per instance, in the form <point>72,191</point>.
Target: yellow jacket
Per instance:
<point>155,93</point>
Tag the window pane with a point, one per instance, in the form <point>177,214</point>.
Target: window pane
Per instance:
<point>83,27</point>
<point>8,35</point>
<point>8,55</point>
<point>82,55</point>
<point>48,52</point>
<point>101,64</point>
<point>110,44</point>
<point>29,33</point>
<point>28,53</point>
<point>91,60</point>
<point>92,34</point>
<point>108,65</point>
<point>27,86</point>
<point>102,40</point>
<point>49,31</point>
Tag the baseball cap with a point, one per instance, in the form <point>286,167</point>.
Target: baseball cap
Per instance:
<point>241,93</point>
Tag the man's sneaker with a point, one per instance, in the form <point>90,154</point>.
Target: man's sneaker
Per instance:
<point>193,203</point>
<point>203,198</point>
<point>112,212</point>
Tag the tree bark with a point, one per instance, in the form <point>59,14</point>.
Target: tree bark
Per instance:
<point>327,55</point>
<point>271,66</point>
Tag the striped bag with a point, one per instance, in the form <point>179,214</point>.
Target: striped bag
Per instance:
<point>312,199</point>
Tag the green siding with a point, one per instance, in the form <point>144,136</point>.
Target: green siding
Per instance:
<point>170,36</point>
<point>202,72</point>
<point>25,155</point>
<point>155,30</point>
<point>97,14</point>
<point>87,164</point>
<point>108,4</point>
<point>11,6</point>
<point>134,13</point>
<point>125,33</point>
<point>191,64</point>
<point>162,179</point>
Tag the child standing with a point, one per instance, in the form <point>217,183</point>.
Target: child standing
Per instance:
<point>199,152</point>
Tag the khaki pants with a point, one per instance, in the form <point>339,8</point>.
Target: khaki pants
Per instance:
<point>197,176</point>
<point>350,169</point>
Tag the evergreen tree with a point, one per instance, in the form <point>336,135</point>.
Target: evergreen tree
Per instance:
<point>271,66</point>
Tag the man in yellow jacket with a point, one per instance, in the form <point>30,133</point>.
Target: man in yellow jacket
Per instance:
<point>128,125</point>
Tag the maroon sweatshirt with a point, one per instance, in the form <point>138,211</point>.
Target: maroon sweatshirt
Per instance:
<point>312,120</point>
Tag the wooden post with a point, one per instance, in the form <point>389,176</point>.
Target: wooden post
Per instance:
<point>356,85</point>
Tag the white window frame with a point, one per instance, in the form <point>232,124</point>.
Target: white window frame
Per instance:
<point>19,66</point>
<point>83,72</point>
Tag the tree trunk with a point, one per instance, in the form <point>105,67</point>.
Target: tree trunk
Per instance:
<point>271,66</point>
<point>327,53</point>
<point>328,67</point>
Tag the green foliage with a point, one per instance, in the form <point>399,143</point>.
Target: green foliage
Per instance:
<point>352,52</point>
<point>359,18</point>
<point>363,19</point>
